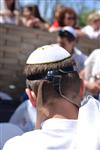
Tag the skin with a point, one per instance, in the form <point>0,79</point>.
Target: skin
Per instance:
<point>93,87</point>
<point>96,25</point>
<point>8,12</point>
<point>52,109</point>
<point>69,20</point>
<point>69,46</point>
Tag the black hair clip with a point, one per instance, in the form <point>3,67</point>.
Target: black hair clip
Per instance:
<point>51,74</point>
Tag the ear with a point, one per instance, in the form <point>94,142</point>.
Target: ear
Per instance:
<point>32,96</point>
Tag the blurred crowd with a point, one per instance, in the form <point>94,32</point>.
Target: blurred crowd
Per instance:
<point>11,12</point>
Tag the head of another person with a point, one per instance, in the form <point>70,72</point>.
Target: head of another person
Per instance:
<point>27,11</point>
<point>94,20</point>
<point>32,10</point>
<point>67,38</point>
<point>51,82</point>
<point>67,17</point>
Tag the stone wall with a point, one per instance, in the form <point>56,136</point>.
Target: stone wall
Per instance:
<point>87,46</point>
<point>16,43</point>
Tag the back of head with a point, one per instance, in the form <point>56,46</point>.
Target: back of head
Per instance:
<point>50,74</point>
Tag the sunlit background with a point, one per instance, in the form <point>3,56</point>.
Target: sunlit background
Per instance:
<point>46,7</point>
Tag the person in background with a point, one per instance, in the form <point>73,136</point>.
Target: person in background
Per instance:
<point>67,38</point>
<point>92,30</point>
<point>8,131</point>
<point>91,74</point>
<point>54,86</point>
<point>31,18</point>
<point>67,17</point>
<point>5,96</point>
<point>55,25</point>
<point>44,24</point>
<point>24,116</point>
<point>98,11</point>
<point>9,11</point>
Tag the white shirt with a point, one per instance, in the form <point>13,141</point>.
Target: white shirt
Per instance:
<point>3,8</point>
<point>92,64</point>
<point>64,134</point>
<point>79,59</point>
<point>55,134</point>
<point>91,33</point>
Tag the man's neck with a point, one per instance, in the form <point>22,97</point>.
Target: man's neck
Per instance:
<point>57,109</point>
<point>64,109</point>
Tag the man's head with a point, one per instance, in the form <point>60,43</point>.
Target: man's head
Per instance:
<point>67,38</point>
<point>51,78</point>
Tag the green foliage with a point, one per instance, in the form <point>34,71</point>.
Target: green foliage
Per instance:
<point>82,18</point>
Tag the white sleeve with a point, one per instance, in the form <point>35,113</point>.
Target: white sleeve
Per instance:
<point>90,59</point>
<point>88,66</point>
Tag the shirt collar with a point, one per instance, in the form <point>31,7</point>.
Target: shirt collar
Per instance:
<point>59,123</point>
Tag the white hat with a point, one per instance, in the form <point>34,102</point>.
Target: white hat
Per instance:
<point>48,54</point>
<point>70,30</point>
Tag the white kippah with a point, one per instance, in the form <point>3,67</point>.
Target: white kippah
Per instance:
<point>70,30</point>
<point>48,54</point>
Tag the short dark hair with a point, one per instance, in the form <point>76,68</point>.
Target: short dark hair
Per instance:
<point>59,74</point>
<point>67,35</point>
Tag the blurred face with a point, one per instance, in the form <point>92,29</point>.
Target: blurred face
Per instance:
<point>69,20</point>
<point>26,12</point>
<point>96,24</point>
<point>69,46</point>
